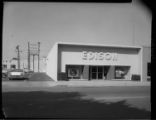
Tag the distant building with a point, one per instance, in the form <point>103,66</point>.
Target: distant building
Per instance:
<point>9,64</point>
<point>13,64</point>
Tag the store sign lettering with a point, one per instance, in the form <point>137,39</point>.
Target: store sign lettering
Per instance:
<point>99,56</point>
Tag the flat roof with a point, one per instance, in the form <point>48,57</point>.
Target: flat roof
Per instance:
<point>98,45</point>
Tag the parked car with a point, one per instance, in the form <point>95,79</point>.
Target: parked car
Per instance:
<point>16,74</point>
<point>4,73</point>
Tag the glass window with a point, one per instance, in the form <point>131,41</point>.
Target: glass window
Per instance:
<point>4,66</point>
<point>94,75</point>
<point>100,75</point>
<point>121,72</point>
<point>73,72</point>
<point>94,69</point>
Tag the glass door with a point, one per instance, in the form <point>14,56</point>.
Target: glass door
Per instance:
<point>100,72</point>
<point>96,72</point>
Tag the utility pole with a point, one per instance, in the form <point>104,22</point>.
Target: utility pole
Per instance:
<point>18,56</point>
<point>38,56</point>
<point>28,56</point>
<point>33,62</point>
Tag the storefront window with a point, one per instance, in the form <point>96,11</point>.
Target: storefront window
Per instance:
<point>121,72</point>
<point>74,72</point>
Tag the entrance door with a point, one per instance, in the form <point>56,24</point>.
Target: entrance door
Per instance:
<point>100,72</point>
<point>93,72</point>
<point>96,72</point>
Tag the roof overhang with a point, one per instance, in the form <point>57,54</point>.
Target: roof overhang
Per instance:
<point>99,45</point>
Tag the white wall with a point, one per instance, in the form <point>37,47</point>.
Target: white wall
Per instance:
<point>52,61</point>
<point>146,59</point>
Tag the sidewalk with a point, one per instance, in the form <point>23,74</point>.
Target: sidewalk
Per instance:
<point>94,83</point>
<point>100,83</point>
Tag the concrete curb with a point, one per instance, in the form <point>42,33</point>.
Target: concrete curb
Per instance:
<point>105,83</point>
<point>73,83</point>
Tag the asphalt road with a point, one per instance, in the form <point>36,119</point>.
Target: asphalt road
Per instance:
<point>77,102</point>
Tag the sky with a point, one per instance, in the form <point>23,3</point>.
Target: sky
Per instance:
<point>48,23</point>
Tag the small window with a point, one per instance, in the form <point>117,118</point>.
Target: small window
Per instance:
<point>4,66</point>
<point>148,69</point>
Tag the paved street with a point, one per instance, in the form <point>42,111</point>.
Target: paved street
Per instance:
<point>76,102</point>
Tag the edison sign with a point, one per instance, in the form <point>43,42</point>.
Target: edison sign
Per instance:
<point>99,56</point>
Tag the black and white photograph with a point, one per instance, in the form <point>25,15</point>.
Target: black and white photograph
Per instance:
<point>76,60</point>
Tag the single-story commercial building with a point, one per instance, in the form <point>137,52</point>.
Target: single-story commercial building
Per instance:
<point>76,61</point>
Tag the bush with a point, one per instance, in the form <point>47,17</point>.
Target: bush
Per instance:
<point>136,77</point>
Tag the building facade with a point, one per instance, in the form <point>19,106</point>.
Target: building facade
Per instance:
<point>9,64</point>
<point>77,61</point>
<point>120,49</point>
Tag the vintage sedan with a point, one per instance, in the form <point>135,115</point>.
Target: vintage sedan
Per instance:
<point>16,74</point>
<point>4,73</point>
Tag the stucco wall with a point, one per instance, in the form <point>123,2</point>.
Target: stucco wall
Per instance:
<point>51,68</point>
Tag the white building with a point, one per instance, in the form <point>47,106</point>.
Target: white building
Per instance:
<point>120,49</point>
<point>9,64</point>
<point>90,62</point>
